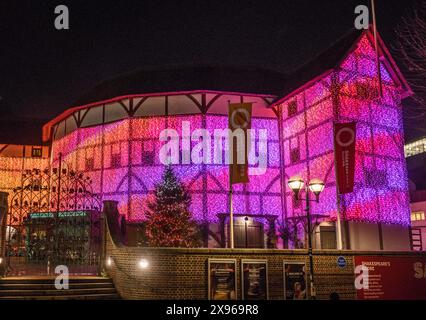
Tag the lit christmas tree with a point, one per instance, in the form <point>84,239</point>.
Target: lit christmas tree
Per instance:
<point>169,221</point>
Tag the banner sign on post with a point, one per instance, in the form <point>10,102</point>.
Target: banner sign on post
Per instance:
<point>344,154</point>
<point>239,120</point>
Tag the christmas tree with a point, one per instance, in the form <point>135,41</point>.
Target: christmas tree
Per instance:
<point>169,222</point>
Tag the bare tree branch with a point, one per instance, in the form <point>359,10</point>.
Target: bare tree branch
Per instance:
<point>411,48</point>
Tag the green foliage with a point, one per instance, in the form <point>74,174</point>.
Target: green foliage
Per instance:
<point>169,220</point>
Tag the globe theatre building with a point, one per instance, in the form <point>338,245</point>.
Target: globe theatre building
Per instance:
<point>112,135</point>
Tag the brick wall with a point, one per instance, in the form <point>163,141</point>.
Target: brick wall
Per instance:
<point>177,273</point>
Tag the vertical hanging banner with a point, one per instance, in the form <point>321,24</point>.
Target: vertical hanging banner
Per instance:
<point>344,155</point>
<point>239,120</point>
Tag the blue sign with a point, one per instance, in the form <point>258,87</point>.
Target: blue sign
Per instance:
<point>341,262</point>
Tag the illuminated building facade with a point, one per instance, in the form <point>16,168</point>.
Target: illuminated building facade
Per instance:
<point>416,162</point>
<point>14,159</point>
<point>376,214</point>
<point>418,221</point>
<point>112,134</point>
<point>415,147</point>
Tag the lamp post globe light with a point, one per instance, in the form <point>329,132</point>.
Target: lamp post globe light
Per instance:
<point>296,184</point>
<point>316,186</point>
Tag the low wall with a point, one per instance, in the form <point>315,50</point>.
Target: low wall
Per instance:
<point>3,217</point>
<point>177,273</point>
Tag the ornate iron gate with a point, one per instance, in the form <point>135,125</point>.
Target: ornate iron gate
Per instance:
<point>53,219</point>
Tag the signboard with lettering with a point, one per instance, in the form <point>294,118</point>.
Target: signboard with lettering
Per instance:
<point>222,283</point>
<point>344,154</point>
<point>391,278</point>
<point>254,279</point>
<point>341,262</point>
<point>239,118</point>
<point>294,280</point>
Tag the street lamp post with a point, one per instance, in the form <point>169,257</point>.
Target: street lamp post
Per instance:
<point>311,260</point>
<point>316,186</point>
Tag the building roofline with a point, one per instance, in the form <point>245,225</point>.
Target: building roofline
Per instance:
<point>48,126</point>
<point>324,68</point>
<point>395,71</point>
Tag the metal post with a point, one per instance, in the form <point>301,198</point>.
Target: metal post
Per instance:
<point>231,212</point>
<point>312,293</point>
<point>54,248</point>
<point>245,224</point>
<point>339,225</point>
<point>338,205</point>
<point>59,182</point>
<point>379,74</point>
<point>102,258</point>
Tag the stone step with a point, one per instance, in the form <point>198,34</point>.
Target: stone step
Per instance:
<point>43,288</point>
<point>106,296</point>
<point>69,292</point>
<point>51,286</point>
<point>43,280</point>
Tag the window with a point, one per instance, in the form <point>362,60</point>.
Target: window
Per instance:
<point>366,91</point>
<point>36,152</point>
<point>90,164</point>
<point>417,216</point>
<point>148,158</point>
<point>148,154</point>
<point>295,155</point>
<point>115,160</point>
<point>415,147</point>
<point>375,178</point>
<point>292,108</point>
<point>328,237</point>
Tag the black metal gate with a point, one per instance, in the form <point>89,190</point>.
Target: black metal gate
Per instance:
<point>54,219</point>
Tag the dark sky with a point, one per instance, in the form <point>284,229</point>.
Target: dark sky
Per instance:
<point>43,70</point>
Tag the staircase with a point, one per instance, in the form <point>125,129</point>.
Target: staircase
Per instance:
<point>43,288</point>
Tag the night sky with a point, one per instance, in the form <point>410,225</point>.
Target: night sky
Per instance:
<point>43,70</point>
